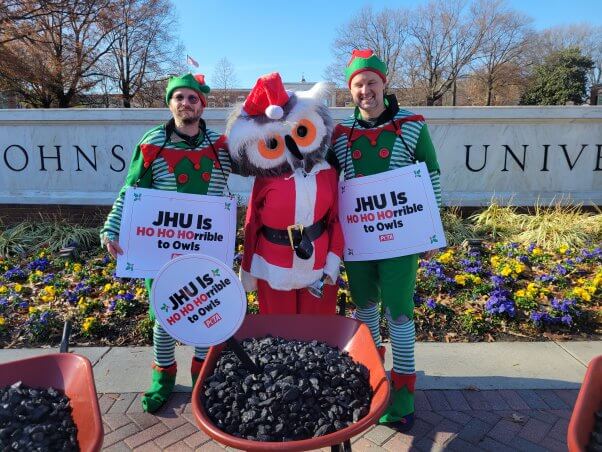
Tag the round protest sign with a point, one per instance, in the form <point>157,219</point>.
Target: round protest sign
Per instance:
<point>198,300</point>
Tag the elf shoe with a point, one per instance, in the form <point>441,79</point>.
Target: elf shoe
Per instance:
<point>400,412</point>
<point>195,369</point>
<point>162,384</point>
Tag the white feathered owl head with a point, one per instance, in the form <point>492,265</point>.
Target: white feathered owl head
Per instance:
<point>276,131</point>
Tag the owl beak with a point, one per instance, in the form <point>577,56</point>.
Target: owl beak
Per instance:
<point>292,147</point>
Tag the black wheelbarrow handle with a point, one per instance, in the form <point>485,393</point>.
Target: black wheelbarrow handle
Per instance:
<point>64,347</point>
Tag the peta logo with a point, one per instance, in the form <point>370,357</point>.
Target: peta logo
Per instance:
<point>215,318</point>
<point>385,237</point>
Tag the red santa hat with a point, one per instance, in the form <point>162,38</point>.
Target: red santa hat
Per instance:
<point>267,97</point>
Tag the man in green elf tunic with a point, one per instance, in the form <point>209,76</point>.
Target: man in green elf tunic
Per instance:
<point>181,155</point>
<point>378,138</point>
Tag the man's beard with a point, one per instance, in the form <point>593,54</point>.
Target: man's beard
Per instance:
<point>190,120</point>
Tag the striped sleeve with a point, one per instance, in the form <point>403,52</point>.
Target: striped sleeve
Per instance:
<point>110,229</point>
<point>425,152</point>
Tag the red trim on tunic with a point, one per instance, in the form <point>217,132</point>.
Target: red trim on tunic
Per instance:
<point>173,156</point>
<point>373,134</point>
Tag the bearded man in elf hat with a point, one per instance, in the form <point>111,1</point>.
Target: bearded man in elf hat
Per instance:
<point>380,137</point>
<point>181,155</point>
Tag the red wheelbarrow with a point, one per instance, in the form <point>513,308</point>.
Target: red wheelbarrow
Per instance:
<point>345,333</point>
<point>71,374</point>
<point>588,402</point>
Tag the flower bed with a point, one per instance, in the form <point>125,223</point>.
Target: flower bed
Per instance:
<point>495,291</point>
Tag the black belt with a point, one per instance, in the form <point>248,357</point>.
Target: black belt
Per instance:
<point>299,237</point>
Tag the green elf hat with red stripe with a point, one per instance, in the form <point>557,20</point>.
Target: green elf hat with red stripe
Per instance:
<point>364,60</point>
<point>193,82</point>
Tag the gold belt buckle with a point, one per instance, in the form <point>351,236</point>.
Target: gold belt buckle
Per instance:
<point>290,229</point>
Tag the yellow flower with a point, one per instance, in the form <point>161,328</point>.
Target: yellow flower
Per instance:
<point>121,292</point>
<point>536,251</point>
<point>32,310</point>
<point>107,287</point>
<point>139,292</point>
<point>468,311</point>
<point>582,293</point>
<point>446,257</point>
<point>89,322</point>
<point>3,289</point>
<point>506,270</point>
<point>495,261</point>
<point>77,267</point>
<point>251,297</point>
<point>460,279</point>
<point>563,249</point>
<point>2,321</point>
<point>42,254</point>
<point>18,287</point>
<point>50,290</point>
<point>519,267</point>
<point>38,273</point>
<point>520,293</point>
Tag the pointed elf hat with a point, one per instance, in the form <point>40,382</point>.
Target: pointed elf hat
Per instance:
<point>193,82</point>
<point>364,60</point>
<point>267,97</point>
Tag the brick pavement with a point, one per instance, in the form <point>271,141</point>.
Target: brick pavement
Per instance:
<point>446,420</point>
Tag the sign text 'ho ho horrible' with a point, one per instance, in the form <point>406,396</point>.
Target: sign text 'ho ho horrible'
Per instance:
<point>157,226</point>
<point>523,155</point>
<point>390,214</point>
<point>198,300</point>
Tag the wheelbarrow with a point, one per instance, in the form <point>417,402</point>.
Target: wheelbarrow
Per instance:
<point>588,402</point>
<point>70,373</point>
<point>345,333</point>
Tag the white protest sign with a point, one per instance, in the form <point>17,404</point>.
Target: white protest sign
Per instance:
<point>390,214</point>
<point>198,300</point>
<point>159,225</point>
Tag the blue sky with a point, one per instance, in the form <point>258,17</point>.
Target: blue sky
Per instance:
<point>295,38</point>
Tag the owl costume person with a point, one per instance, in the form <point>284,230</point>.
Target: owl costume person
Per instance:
<point>293,238</point>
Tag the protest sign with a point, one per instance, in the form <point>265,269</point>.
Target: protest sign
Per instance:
<point>390,214</point>
<point>159,225</point>
<point>198,300</point>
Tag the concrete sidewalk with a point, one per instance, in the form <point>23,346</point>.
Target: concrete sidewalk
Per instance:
<point>497,365</point>
<point>484,396</point>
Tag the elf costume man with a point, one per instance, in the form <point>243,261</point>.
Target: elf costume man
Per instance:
<point>292,233</point>
<point>181,155</point>
<point>378,138</point>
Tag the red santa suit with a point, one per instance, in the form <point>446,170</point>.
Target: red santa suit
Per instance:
<point>279,275</point>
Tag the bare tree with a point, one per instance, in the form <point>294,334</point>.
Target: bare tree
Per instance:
<point>446,36</point>
<point>143,47</point>
<point>54,64</point>
<point>385,32</point>
<point>505,45</point>
<point>224,79</point>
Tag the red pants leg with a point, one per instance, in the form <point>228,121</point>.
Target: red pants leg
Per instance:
<point>308,304</point>
<point>272,301</point>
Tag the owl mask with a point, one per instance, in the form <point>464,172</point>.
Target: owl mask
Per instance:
<point>276,131</point>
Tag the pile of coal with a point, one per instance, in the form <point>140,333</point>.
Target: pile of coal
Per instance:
<point>36,420</point>
<point>304,390</point>
<point>595,440</point>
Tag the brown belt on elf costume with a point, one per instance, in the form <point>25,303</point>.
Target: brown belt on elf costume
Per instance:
<point>299,237</point>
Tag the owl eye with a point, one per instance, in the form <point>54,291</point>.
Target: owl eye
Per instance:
<point>304,133</point>
<point>271,148</point>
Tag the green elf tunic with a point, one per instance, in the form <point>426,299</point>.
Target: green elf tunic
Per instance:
<point>165,160</point>
<point>396,139</point>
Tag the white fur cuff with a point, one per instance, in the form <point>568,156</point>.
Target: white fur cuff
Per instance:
<point>249,282</point>
<point>333,262</point>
